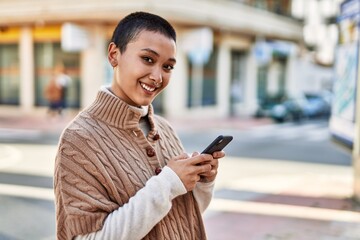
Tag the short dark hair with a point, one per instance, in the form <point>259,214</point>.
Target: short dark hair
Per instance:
<point>129,27</point>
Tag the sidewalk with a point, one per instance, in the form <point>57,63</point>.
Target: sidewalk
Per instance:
<point>42,123</point>
<point>40,129</point>
<point>238,123</point>
<point>46,125</point>
<point>259,199</point>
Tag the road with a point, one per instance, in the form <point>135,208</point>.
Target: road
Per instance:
<point>26,198</point>
<point>306,142</point>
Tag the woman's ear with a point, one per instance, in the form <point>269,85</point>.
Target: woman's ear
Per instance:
<point>113,52</point>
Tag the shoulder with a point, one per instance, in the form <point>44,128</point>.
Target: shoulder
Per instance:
<point>163,123</point>
<point>80,127</point>
<point>161,120</point>
<point>165,127</point>
<point>78,144</point>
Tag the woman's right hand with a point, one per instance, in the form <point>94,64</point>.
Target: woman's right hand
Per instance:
<point>189,168</point>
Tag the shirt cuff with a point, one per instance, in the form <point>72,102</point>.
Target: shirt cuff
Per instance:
<point>177,188</point>
<point>204,185</point>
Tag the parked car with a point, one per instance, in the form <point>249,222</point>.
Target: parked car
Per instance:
<point>265,105</point>
<point>309,106</point>
<point>319,106</point>
<point>289,110</point>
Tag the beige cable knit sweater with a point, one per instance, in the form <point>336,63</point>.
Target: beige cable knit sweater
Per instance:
<point>104,159</point>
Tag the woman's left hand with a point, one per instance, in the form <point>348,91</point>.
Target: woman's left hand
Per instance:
<point>210,176</point>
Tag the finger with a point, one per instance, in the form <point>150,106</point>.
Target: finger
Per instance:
<point>219,154</point>
<point>195,154</point>
<point>198,178</point>
<point>211,172</point>
<point>208,174</point>
<point>214,163</point>
<point>204,169</point>
<point>201,158</point>
<point>182,156</point>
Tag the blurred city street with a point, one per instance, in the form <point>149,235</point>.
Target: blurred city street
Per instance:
<point>280,76</point>
<point>278,181</point>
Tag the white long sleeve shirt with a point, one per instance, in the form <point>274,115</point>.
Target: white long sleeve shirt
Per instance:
<point>146,209</point>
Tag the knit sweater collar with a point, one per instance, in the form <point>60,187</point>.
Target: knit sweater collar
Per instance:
<point>114,111</point>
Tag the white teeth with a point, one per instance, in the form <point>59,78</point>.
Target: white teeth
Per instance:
<point>146,87</point>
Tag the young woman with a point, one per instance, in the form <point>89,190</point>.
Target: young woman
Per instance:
<point>121,171</point>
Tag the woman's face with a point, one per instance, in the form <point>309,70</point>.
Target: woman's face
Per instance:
<point>143,70</point>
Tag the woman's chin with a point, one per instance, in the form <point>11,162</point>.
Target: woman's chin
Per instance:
<point>144,102</point>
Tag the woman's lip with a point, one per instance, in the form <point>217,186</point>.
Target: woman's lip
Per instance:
<point>147,87</point>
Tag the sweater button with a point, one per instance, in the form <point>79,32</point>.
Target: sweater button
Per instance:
<point>157,170</point>
<point>150,151</point>
<point>156,137</point>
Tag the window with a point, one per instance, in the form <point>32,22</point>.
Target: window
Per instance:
<point>203,91</point>
<point>238,74</point>
<point>9,74</point>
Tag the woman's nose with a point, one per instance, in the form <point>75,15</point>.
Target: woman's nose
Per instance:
<point>156,76</point>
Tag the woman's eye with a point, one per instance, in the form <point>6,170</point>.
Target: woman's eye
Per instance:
<point>168,67</point>
<point>149,60</point>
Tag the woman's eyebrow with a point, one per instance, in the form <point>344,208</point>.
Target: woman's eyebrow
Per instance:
<point>157,54</point>
<point>151,51</point>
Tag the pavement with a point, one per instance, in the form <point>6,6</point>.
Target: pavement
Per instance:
<point>46,124</point>
<point>255,199</point>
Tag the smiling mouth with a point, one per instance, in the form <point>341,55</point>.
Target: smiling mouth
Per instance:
<point>147,87</point>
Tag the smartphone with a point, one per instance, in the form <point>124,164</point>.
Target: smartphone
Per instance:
<point>218,144</point>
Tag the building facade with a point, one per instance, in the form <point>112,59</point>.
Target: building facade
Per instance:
<point>231,54</point>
